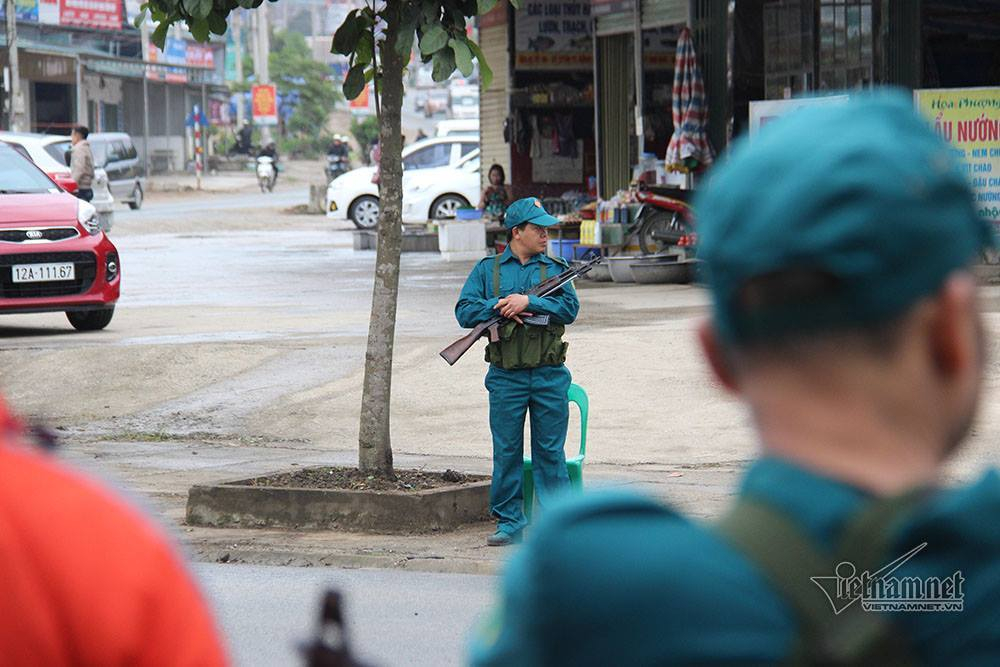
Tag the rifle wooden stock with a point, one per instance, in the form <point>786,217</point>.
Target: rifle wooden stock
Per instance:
<point>454,352</point>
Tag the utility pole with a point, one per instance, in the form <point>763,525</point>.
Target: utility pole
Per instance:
<point>238,45</point>
<point>144,41</point>
<point>260,62</point>
<point>15,103</point>
<point>314,30</point>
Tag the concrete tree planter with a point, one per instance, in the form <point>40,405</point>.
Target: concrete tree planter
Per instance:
<point>413,241</point>
<point>246,504</point>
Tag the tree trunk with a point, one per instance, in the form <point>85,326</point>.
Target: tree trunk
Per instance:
<point>375,448</point>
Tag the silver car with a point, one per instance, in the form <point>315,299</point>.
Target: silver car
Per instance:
<point>116,154</point>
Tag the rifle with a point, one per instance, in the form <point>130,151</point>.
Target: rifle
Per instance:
<point>329,648</point>
<point>491,327</point>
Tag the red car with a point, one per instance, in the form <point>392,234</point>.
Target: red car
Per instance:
<point>53,254</point>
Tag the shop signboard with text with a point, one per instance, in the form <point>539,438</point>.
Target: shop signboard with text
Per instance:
<point>264,104</point>
<point>554,35</point>
<point>969,120</point>
<point>103,14</point>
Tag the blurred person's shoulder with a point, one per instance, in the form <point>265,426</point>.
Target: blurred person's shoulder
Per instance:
<point>658,583</point>
<point>54,502</point>
<point>955,538</point>
<point>88,578</point>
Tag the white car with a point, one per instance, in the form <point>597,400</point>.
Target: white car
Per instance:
<point>447,128</point>
<point>438,177</point>
<point>48,152</point>
<point>437,193</point>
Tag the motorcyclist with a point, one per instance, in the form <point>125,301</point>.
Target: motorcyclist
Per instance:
<point>337,157</point>
<point>338,147</point>
<point>271,151</point>
<point>243,138</point>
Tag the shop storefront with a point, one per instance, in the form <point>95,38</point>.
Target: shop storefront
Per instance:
<point>156,100</point>
<point>634,62</point>
<point>584,102</point>
<point>537,119</point>
<point>746,51</point>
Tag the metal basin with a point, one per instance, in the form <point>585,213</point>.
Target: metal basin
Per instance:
<point>663,272</point>
<point>619,268</point>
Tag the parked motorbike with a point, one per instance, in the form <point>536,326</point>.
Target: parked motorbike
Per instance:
<point>665,219</point>
<point>266,173</point>
<point>336,165</point>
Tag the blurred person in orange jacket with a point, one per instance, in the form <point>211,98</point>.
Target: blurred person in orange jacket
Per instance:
<point>86,579</point>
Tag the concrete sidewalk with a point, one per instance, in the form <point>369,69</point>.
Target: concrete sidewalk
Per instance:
<point>161,472</point>
<point>296,172</point>
<point>186,182</point>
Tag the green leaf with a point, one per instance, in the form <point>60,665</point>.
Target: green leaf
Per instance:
<point>345,40</point>
<point>433,40</point>
<point>516,3</point>
<point>404,38</point>
<point>199,9</point>
<point>159,36</point>
<point>365,50</point>
<point>463,56</point>
<point>354,82</point>
<point>444,64</point>
<point>431,13</point>
<point>140,18</point>
<point>249,4</point>
<point>485,73</point>
<point>486,6</point>
<point>369,74</point>
<point>217,23</point>
<point>199,29</point>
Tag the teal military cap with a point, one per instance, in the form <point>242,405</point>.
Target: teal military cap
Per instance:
<point>861,198</point>
<point>529,209</point>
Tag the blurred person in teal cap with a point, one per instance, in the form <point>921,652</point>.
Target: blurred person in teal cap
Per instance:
<point>526,373</point>
<point>845,317</point>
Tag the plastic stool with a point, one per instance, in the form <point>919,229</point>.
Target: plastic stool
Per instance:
<point>574,466</point>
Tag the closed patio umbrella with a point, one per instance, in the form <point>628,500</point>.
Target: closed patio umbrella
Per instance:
<point>689,149</point>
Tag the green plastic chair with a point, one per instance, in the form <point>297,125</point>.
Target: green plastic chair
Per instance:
<point>574,466</point>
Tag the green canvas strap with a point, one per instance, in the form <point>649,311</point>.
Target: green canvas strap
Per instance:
<point>785,556</point>
<point>496,276</point>
<point>788,558</point>
<point>866,537</point>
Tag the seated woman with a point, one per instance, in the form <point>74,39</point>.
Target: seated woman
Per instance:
<point>497,196</point>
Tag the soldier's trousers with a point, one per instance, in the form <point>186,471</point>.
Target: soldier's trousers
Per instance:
<point>542,393</point>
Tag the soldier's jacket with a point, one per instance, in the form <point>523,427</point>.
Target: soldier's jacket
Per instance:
<point>475,303</point>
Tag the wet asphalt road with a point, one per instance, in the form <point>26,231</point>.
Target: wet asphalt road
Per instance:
<point>394,617</point>
<point>161,210</point>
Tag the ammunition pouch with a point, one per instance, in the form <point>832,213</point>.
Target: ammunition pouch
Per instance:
<point>526,346</point>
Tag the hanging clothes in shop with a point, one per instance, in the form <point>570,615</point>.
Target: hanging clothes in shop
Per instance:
<point>518,132</point>
<point>540,128</point>
<point>563,136</point>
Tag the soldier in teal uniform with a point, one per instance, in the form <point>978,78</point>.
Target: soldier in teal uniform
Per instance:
<point>527,373</point>
<point>845,317</point>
